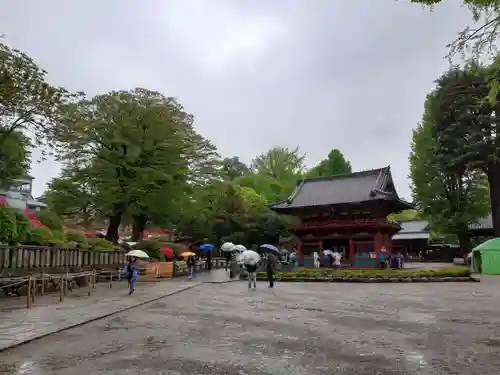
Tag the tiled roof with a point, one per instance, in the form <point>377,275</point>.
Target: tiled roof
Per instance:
<point>347,188</point>
<point>414,229</point>
<point>484,223</point>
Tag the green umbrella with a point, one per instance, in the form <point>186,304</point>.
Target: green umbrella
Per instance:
<point>493,244</point>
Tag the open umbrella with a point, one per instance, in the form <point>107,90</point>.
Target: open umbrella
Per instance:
<point>227,246</point>
<point>270,249</point>
<point>327,252</point>
<point>249,257</point>
<point>137,254</point>
<point>206,247</point>
<point>240,248</point>
<point>167,252</point>
<point>188,254</point>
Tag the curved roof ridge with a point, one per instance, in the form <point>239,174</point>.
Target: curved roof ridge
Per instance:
<point>344,175</point>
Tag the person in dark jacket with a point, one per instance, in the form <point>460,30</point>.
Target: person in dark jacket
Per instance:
<point>270,267</point>
<point>132,273</point>
<point>190,263</point>
<point>252,277</point>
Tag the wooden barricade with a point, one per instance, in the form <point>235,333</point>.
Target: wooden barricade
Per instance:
<point>154,271</point>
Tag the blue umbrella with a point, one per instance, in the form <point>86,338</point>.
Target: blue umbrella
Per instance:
<point>206,247</point>
<point>270,249</point>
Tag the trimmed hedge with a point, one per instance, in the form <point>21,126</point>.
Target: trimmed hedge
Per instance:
<point>453,273</point>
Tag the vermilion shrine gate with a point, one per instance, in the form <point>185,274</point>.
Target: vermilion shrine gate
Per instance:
<point>347,213</point>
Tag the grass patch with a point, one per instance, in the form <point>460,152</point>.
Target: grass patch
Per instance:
<point>452,271</point>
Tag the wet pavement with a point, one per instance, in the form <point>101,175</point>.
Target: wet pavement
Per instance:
<point>297,328</point>
<point>47,315</point>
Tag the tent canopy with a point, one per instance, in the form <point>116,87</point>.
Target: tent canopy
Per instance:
<point>490,245</point>
<point>486,257</point>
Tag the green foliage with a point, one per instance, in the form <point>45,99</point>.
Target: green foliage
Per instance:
<point>27,103</point>
<point>453,271</point>
<point>72,195</point>
<point>59,237</point>
<point>478,39</point>
<point>233,168</point>
<point>148,152</point>
<point>334,164</point>
<point>150,247</point>
<point>22,226</point>
<point>280,163</point>
<point>100,244</point>
<point>449,195</point>
<point>50,219</point>
<point>77,237</point>
<point>39,236</point>
<point>8,229</point>
<point>14,156</point>
<point>406,215</point>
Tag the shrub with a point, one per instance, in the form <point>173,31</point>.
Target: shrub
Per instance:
<point>150,247</point>
<point>8,228</point>
<point>59,237</point>
<point>50,219</point>
<point>22,226</point>
<point>39,236</point>
<point>78,237</point>
<point>100,244</point>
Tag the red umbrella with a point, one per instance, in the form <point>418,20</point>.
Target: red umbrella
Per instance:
<point>169,254</point>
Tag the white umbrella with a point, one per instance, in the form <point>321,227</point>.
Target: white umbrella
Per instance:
<point>327,252</point>
<point>227,246</point>
<point>137,254</point>
<point>240,248</point>
<point>249,257</point>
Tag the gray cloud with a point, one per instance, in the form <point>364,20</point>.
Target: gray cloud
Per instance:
<point>321,74</point>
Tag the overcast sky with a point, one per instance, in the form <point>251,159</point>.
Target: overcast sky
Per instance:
<point>320,74</point>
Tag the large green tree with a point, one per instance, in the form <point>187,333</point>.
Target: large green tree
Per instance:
<point>334,164</point>
<point>29,105</point>
<point>73,195</point>
<point>466,125</point>
<point>233,168</point>
<point>14,156</point>
<point>280,163</point>
<point>450,197</point>
<point>138,144</point>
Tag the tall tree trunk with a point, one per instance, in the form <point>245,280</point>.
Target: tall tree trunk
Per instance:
<point>113,226</point>
<point>138,226</point>
<point>464,241</point>
<point>494,181</point>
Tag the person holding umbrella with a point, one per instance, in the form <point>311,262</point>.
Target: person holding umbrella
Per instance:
<point>132,268</point>
<point>132,273</point>
<point>271,262</point>
<point>250,259</point>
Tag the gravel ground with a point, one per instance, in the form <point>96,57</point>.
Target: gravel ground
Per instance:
<point>297,328</point>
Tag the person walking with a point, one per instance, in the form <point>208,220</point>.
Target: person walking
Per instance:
<point>132,273</point>
<point>270,267</point>
<point>252,276</point>
<point>190,264</point>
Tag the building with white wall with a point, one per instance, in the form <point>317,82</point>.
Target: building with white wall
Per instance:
<point>20,195</point>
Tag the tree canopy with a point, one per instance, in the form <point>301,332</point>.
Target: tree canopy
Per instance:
<point>334,164</point>
<point>449,198</point>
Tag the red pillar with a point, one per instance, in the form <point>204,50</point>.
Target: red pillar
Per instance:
<point>379,243</point>
<point>351,251</point>
<point>299,253</point>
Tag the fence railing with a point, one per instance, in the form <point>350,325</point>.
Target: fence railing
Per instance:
<point>18,259</point>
